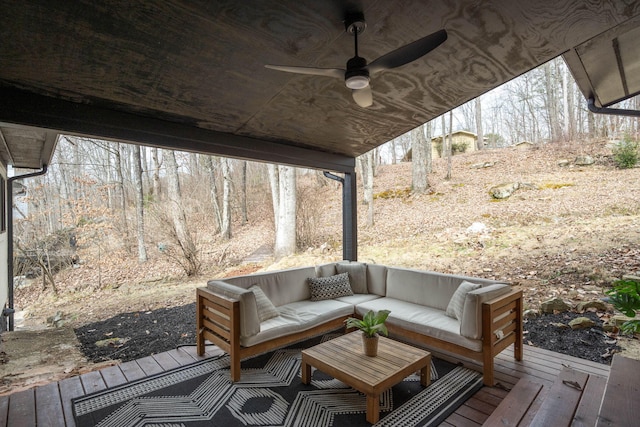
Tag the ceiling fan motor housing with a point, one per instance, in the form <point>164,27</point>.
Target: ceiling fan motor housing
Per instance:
<point>356,76</point>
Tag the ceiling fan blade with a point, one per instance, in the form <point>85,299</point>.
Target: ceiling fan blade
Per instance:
<point>363,97</point>
<point>327,72</point>
<point>408,53</point>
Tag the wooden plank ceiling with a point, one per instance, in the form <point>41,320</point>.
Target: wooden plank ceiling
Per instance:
<point>194,70</point>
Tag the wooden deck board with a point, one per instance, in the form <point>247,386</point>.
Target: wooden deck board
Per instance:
<point>19,409</point>
<point>22,409</point>
<point>92,382</point>
<point>70,388</point>
<point>4,410</point>
<point>113,376</point>
<point>49,412</point>
<point>132,371</point>
<point>623,381</point>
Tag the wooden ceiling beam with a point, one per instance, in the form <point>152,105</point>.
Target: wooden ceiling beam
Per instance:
<point>28,109</point>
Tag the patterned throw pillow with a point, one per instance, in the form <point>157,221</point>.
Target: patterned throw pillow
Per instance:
<point>266,309</point>
<point>456,305</point>
<point>329,287</point>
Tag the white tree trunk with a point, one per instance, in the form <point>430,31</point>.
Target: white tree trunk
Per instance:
<point>286,212</point>
<point>479,132</point>
<point>137,177</point>
<point>419,173</point>
<point>213,190</point>
<point>369,187</point>
<point>226,199</point>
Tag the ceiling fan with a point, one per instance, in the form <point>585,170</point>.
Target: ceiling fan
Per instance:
<point>358,73</point>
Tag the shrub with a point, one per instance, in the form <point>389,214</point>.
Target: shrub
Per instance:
<point>625,297</point>
<point>625,153</point>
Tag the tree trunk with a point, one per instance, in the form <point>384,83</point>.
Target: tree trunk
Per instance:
<point>368,185</point>
<point>243,202</point>
<point>226,199</point>
<point>480,140</point>
<point>213,189</point>
<point>429,151</point>
<point>191,265</point>
<point>419,173</point>
<point>283,184</point>
<point>449,143</point>
<point>446,152</point>
<point>137,177</point>
<point>156,172</point>
<point>120,153</point>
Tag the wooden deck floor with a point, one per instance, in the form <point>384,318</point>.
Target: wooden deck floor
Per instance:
<point>50,405</point>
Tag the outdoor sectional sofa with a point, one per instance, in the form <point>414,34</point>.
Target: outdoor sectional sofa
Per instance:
<point>249,315</point>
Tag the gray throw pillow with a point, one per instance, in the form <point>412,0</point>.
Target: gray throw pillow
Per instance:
<point>266,309</point>
<point>357,276</point>
<point>329,287</point>
<point>456,305</point>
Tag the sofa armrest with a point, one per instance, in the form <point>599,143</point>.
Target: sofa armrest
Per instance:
<point>471,322</point>
<point>249,320</point>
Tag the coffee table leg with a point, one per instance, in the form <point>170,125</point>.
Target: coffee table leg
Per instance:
<point>373,408</point>
<point>306,372</point>
<point>425,374</point>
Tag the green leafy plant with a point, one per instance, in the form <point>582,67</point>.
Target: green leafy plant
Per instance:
<point>625,153</point>
<point>371,324</point>
<point>625,297</point>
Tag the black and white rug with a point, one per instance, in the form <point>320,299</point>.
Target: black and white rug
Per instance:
<point>270,393</point>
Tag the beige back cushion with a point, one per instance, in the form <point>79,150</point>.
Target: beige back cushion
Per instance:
<point>426,287</point>
<point>471,321</point>
<point>249,321</point>
<point>377,279</point>
<point>281,287</point>
<point>357,275</point>
<point>325,270</point>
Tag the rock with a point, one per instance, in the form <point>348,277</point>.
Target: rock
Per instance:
<point>531,313</point>
<point>563,163</point>
<point>477,228</point>
<point>553,305</point>
<point>112,342</point>
<point>482,165</point>
<point>619,319</point>
<point>581,323</point>
<point>597,304</point>
<point>584,160</point>
<point>503,191</point>
<point>559,325</point>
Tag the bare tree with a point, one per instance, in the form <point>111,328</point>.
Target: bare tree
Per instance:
<point>174,195</point>
<point>225,231</point>
<point>480,134</point>
<point>419,167</point>
<point>243,192</point>
<point>211,173</point>
<point>137,179</point>
<point>366,163</point>
<point>283,188</point>
<point>156,172</point>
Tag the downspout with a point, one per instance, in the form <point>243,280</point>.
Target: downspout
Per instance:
<point>10,311</point>
<point>591,103</point>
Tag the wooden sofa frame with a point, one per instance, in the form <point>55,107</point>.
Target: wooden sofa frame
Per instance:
<point>218,321</point>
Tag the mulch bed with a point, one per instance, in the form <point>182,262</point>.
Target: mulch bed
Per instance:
<point>139,334</point>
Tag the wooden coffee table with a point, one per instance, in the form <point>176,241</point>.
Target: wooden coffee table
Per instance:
<point>343,358</point>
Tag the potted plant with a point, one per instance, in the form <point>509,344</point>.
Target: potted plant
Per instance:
<point>371,325</point>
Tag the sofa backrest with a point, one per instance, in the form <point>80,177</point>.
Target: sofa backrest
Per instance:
<point>426,288</point>
<point>281,287</point>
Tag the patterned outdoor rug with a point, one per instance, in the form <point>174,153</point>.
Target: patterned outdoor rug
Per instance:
<point>270,393</point>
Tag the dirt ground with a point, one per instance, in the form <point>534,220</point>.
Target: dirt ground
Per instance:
<point>569,231</point>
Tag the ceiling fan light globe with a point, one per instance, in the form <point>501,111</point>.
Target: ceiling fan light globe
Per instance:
<point>357,82</point>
